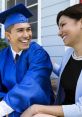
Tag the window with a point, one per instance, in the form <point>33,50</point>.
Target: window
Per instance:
<point>20,1</point>
<point>34,12</point>
<point>33,7</point>
<point>10,3</point>
<point>33,21</point>
<point>34,30</point>
<point>30,2</point>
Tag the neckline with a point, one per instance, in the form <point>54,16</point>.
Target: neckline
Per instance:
<point>76,57</point>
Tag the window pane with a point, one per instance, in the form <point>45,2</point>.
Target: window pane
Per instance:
<point>33,20</point>
<point>34,30</point>
<point>34,11</point>
<point>30,2</point>
<point>10,3</point>
<point>20,1</point>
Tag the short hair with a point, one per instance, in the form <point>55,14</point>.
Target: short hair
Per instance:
<point>9,29</point>
<point>74,12</point>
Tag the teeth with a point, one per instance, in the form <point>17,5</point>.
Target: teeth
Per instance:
<point>24,41</point>
<point>64,37</point>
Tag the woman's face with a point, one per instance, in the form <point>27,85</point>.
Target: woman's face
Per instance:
<point>70,30</point>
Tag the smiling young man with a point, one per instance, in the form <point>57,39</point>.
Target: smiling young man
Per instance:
<point>19,36</point>
<point>25,67</point>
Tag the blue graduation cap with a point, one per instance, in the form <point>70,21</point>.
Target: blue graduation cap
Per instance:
<point>16,14</point>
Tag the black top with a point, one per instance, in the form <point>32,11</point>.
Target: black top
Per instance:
<point>69,79</point>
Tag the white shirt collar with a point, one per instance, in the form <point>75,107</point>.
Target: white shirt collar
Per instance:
<point>14,53</point>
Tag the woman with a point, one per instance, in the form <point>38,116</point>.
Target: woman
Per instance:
<point>68,101</point>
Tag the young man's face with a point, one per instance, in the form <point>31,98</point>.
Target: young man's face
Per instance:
<point>20,36</point>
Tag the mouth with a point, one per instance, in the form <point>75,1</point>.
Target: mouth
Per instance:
<point>25,41</point>
<point>64,37</point>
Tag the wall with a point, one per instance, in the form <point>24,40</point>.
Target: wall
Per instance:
<point>50,41</point>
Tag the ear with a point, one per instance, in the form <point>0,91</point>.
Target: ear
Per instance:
<point>7,35</point>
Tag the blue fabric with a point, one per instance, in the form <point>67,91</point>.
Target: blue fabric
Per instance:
<point>27,81</point>
<point>16,14</point>
<point>14,19</point>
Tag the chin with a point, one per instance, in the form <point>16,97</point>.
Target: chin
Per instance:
<point>68,45</point>
<point>25,47</point>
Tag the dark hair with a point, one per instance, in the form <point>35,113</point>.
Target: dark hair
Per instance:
<point>74,12</point>
<point>9,29</point>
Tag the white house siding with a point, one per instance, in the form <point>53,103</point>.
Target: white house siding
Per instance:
<point>0,5</point>
<point>49,30</point>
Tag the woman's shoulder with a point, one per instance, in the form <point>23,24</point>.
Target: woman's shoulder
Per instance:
<point>68,51</point>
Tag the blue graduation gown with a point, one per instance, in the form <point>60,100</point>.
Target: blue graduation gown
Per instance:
<point>27,81</point>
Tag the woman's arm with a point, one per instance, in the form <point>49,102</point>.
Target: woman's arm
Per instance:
<point>41,109</point>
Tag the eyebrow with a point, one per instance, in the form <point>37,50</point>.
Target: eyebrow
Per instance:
<point>20,28</point>
<point>61,22</point>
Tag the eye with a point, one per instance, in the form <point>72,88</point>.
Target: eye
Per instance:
<point>20,30</point>
<point>28,29</point>
<point>62,24</point>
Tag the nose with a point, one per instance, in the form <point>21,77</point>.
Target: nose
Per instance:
<point>25,34</point>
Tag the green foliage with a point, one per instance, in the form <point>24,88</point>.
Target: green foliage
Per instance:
<point>3,43</point>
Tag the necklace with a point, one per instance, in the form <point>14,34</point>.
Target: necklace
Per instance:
<point>76,57</point>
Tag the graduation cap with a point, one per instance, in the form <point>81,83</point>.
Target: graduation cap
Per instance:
<point>16,14</point>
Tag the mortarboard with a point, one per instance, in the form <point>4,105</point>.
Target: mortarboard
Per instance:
<point>16,14</point>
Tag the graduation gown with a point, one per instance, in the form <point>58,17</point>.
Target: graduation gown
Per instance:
<point>27,81</point>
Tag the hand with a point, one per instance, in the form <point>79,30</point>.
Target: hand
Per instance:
<point>27,113</point>
<point>32,110</point>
